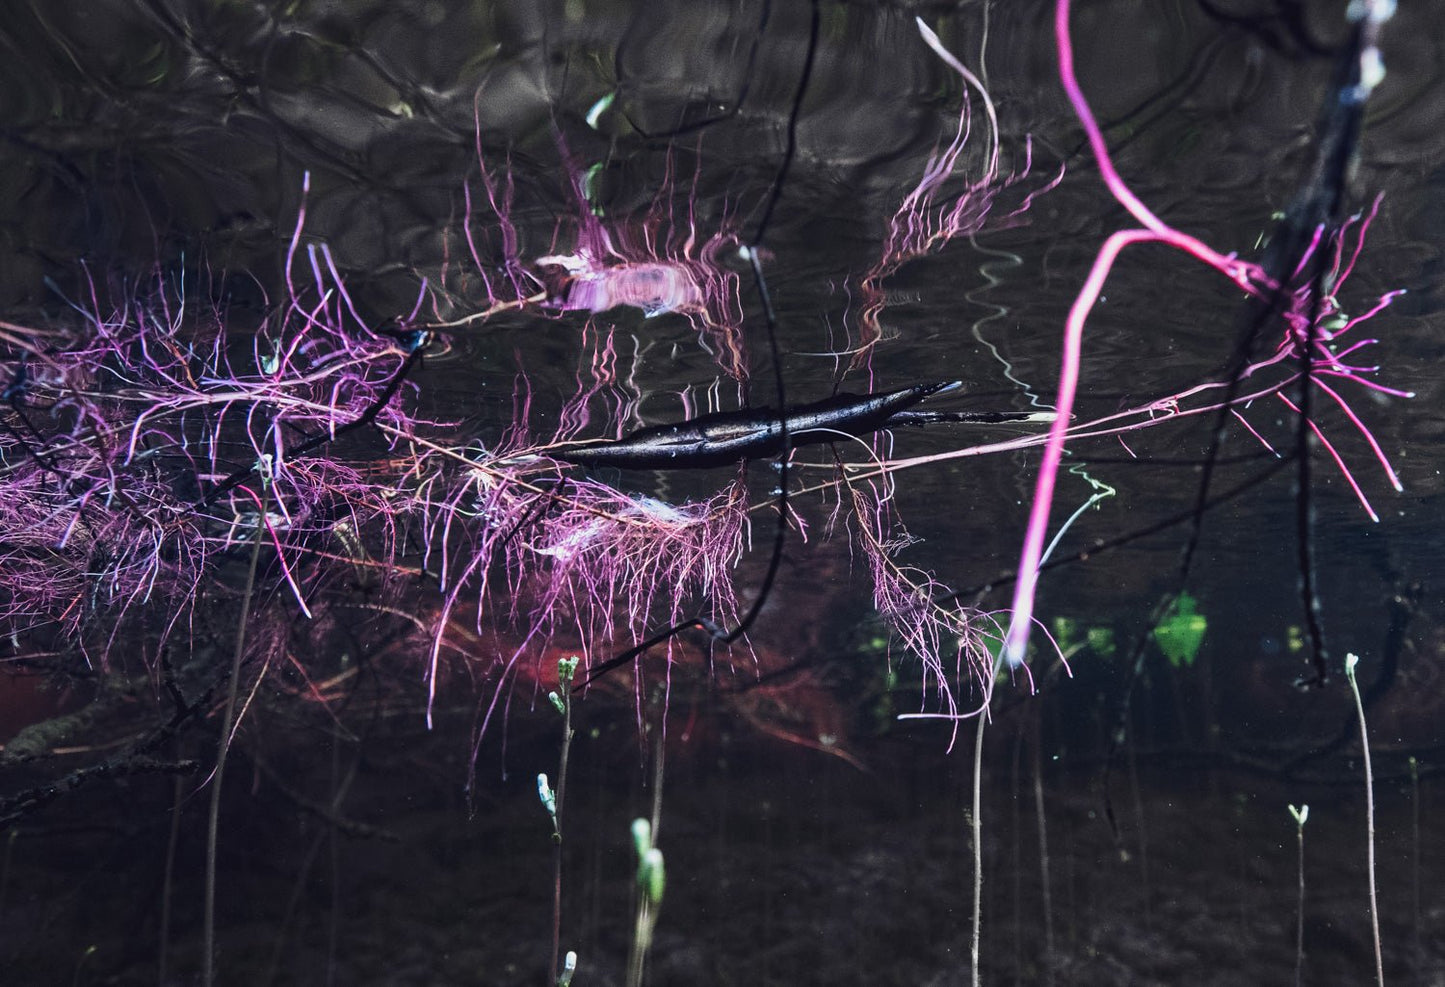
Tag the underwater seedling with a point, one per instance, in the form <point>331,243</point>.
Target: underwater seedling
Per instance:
<point>651,882</point>
<point>553,802</point>
<point>1072,636</point>
<point>228,721</point>
<point>1181,632</point>
<point>1351,660</point>
<point>569,967</point>
<point>1301,816</point>
<point>1415,850</point>
<point>975,821</point>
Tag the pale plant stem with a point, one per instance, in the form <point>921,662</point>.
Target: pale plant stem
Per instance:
<point>5,868</point>
<point>1299,951</point>
<point>976,825</point>
<point>1415,852</point>
<point>641,939</point>
<point>1042,818</point>
<point>1300,815</point>
<point>213,820</point>
<point>333,921</point>
<point>163,946</point>
<point>976,821</point>
<point>646,906</point>
<point>1350,661</point>
<point>976,828</point>
<point>1138,799</point>
<point>5,865</point>
<point>1017,863</point>
<point>658,762</point>
<point>565,693</point>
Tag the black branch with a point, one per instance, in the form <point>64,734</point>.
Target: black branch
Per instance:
<point>758,433</point>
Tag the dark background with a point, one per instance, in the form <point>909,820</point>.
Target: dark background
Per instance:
<point>359,847</point>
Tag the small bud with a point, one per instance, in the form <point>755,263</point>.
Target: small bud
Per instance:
<point>641,837</point>
<point>557,703</point>
<point>653,876</point>
<point>598,108</point>
<point>566,669</point>
<point>549,800</point>
<point>569,967</point>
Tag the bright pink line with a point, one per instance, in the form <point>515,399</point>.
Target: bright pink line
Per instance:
<point>1384,302</point>
<point>1017,638</point>
<point>1304,258</point>
<point>341,287</point>
<point>1250,428</point>
<point>1334,454</point>
<point>1393,392</point>
<point>296,233</point>
<point>1360,426</point>
<point>1336,358</point>
<point>1360,239</point>
<point>1116,185</point>
<point>280,555</point>
<point>1246,275</point>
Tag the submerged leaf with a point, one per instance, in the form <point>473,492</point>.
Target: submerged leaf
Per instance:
<point>1180,634</point>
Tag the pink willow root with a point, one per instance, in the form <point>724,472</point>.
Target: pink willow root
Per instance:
<point>1251,278</point>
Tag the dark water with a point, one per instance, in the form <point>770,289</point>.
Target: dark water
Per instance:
<point>810,836</point>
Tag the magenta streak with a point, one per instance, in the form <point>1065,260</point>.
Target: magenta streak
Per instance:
<point>1364,228</point>
<point>1245,274</point>
<point>1250,428</point>
<point>1016,640</point>
<point>341,287</point>
<point>280,555</point>
<point>1360,426</point>
<point>1309,252</point>
<point>1329,446</point>
<point>296,233</point>
<point>472,241</point>
<point>1384,301</point>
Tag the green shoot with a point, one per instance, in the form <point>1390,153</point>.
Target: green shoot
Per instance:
<point>651,882</point>
<point>569,967</point>
<point>1180,634</point>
